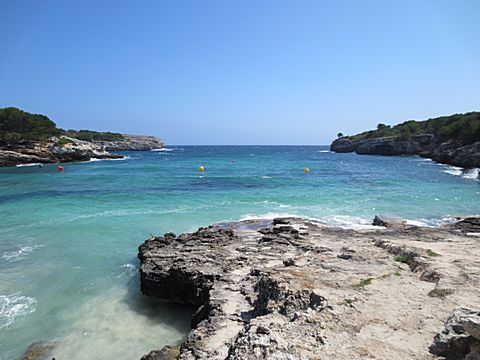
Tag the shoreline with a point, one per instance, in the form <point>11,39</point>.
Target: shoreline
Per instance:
<point>464,156</point>
<point>266,288</point>
<point>72,162</point>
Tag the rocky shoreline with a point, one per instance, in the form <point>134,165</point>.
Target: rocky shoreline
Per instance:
<point>74,150</point>
<point>449,152</point>
<point>295,289</point>
<point>132,143</point>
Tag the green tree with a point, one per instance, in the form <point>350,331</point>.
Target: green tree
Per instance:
<point>382,126</point>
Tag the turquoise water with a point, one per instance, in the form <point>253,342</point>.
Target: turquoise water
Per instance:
<point>68,241</point>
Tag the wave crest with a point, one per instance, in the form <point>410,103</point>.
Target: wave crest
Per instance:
<point>14,306</point>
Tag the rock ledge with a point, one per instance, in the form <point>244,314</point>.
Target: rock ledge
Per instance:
<point>293,289</point>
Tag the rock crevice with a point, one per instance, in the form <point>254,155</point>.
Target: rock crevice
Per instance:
<point>294,289</point>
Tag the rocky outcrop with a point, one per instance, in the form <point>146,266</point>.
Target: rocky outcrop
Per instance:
<point>167,353</point>
<point>74,150</point>
<point>449,152</point>
<point>51,152</point>
<point>294,289</point>
<point>460,336</point>
<point>388,221</point>
<point>39,351</point>
<point>132,143</point>
<point>12,158</point>
<point>468,225</point>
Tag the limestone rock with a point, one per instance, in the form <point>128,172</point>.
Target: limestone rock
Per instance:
<point>469,224</point>
<point>167,353</point>
<point>425,145</point>
<point>460,332</point>
<point>295,289</point>
<point>387,221</point>
<point>39,351</point>
<point>132,143</point>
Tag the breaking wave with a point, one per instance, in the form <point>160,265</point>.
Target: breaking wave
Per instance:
<point>14,306</point>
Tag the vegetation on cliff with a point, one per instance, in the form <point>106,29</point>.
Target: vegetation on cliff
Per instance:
<point>462,128</point>
<point>18,126</point>
<point>89,135</point>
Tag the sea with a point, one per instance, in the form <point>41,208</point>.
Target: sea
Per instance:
<point>68,240</point>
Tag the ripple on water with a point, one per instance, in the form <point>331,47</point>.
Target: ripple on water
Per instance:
<point>19,254</point>
<point>14,306</point>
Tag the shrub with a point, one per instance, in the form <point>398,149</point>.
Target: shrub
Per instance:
<point>63,141</point>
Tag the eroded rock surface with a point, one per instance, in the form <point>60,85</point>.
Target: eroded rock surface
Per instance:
<point>460,336</point>
<point>447,152</point>
<point>294,289</point>
<point>50,152</point>
<point>39,351</point>
<point>74,150</point>
<point>132,143</point>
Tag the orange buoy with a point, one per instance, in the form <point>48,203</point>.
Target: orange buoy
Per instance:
<point>306,170</point>
<point>201,168</point>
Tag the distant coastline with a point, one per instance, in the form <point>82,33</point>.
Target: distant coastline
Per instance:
<point>27,138</point>
<point>452,140</point>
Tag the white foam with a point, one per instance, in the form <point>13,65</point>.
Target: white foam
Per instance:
<point>162,149</point>
<point>417,222</point>
<point>14,306</point>
<point>348,222</point>
<point>433,222</point>
<point>17,254</point>
<point>471,174</point>
<point>28,165</point>
<point>128,270</point>
<point>343,221</point>
<point>267,216</point>
<point>266,177</point>
<point>424,159</point>
<point>324,151</point>
<point>97,159</point>
<point>129,266</point>
<point>453,170</point>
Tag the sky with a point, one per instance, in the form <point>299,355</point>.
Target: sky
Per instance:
<point>239,72</point>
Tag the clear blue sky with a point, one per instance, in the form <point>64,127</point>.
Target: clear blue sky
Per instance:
<point>239,72</point>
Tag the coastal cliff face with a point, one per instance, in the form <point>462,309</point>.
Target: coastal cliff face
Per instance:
<point>453,140</point>
<point>34,138</point>
<point>52,152</point>
<point>132,143</point>
<point>73,150</point>
<point>449,152</point>
<point>292,289</point>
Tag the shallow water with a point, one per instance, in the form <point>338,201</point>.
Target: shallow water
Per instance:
<point>68,241</point>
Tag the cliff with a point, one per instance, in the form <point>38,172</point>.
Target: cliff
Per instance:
<point>453,140</point>
<point>34,138</point>
<point>131,143</point>
<point>292,289</point>
<point>55,150</point>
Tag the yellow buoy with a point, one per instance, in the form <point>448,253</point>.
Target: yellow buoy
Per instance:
<point>201,168</point>
<point>306,170</point>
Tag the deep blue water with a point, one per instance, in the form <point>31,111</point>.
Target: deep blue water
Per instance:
<point>68,241</point>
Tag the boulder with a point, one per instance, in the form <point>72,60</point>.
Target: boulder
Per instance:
<point>468,225</point>
<point>388,221</point>
<point>167,353</point>
<point>459,336</point>
<point>39,351</point>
